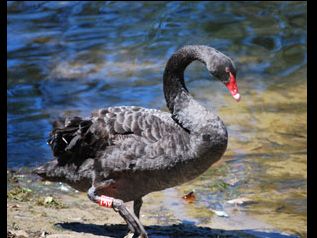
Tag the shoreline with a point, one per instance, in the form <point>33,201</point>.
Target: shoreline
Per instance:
<point>38,208</point>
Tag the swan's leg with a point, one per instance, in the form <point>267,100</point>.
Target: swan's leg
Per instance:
<point>133,222</point>
<point>137,206</point>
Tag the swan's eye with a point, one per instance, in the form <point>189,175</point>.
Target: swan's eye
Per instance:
<point>227,75</point>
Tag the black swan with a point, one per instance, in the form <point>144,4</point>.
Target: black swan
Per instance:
<point>120,154</point>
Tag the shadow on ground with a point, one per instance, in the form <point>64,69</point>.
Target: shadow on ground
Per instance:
<point>179,230</point>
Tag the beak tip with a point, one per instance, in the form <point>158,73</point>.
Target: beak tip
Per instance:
<point>237,97</point>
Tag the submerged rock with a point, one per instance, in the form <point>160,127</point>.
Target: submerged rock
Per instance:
<point>241,201</point>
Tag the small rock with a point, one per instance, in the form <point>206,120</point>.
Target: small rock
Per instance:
<point>241,201</point>
<point>48,200</point>
<point>17,234</point>
<point>63,188</point>
<point>232,182</point>
<point>220,213</point>
<point>15,206</point>
<point>15,226</point>
<point>44,234</point>
<point>78,219</point>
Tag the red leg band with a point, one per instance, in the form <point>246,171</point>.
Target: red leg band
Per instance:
<point>105,201</point>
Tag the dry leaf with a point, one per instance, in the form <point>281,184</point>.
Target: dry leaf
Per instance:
<point>189,197</point>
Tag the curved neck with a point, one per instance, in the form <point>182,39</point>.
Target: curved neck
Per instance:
<point>173,78</point>
<point>176,94</point>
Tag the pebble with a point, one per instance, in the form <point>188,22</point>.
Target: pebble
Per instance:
<point>241,201</point>
<point>220,213</point>
<point>63,188</point>
<point>17,234</point>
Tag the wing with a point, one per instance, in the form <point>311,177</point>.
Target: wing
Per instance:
<point>138,139</point>
<point>119,138</point>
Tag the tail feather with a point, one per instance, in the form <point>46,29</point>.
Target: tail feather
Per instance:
<point>70,142</point>
<point>78,179</point>
<point>44,169</point>
<point>74,146</point>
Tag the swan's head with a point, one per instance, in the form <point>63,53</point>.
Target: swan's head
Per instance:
<point>224,70</point>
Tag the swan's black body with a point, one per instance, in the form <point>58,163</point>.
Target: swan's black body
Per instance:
<point>136,150</point>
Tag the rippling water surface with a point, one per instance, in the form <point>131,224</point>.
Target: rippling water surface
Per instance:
<point>68,58</point>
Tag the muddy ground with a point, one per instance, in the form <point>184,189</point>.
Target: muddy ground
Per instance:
<point>37,208</point>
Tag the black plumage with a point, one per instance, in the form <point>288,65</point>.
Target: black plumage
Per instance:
<point>132,150</point>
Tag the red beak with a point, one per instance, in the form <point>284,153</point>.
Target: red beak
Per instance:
<point>233,87</point>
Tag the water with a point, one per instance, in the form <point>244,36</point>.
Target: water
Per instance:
<point>67,58</point>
